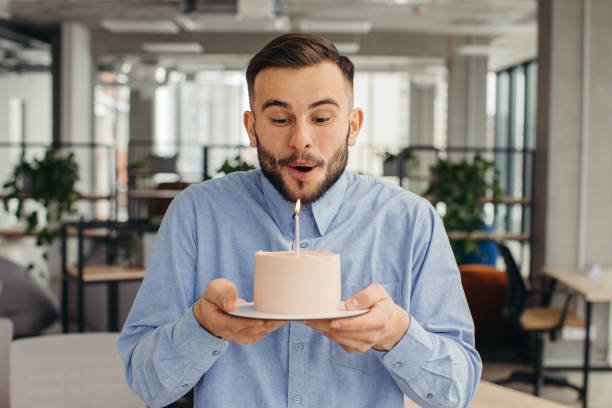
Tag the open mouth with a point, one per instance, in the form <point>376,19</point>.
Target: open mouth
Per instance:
<point>302,166</point>
<point>303,169</point>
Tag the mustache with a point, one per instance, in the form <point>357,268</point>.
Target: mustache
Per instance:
<point>303,156</point>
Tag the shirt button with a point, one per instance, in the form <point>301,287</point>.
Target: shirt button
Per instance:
<point>297,399</point>
<point>299,347</point>
<point>430,395</point>
<point>397,364</point>
<point>303,244</point>
<point>216,353</point>
<point>185,385</point>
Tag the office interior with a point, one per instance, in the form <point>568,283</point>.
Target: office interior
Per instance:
<point>149,96</point>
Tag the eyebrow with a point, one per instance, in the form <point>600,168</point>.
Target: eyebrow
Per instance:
<point>275,102</point>
<point>325,101</point>
<point>283,104</point>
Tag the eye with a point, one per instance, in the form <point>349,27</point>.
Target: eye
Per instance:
<point>281,121</point>
<point>321,119</point>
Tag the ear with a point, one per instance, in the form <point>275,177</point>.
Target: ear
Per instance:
<point>249,125</point>
<point>355,123</point>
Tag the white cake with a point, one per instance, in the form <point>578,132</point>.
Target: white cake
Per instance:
<point>289,284</point>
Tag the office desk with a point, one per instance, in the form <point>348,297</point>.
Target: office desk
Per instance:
<point>491,395</point>
<point>594,290</point>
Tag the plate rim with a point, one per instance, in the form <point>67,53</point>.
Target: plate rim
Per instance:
<point>316,316</point>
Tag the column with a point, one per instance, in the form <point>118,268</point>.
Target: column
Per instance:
<point>573,194</point>
<point>141,125</point>
<point>422,97</point>
<point>75,114</point>
<point>467,101</point>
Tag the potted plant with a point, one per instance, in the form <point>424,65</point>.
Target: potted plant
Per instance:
<point>391,162</point>
<point>49,181</point>
<point>463,188</point>
<point>235,164</point>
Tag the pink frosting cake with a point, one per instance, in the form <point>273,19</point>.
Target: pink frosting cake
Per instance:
<point>289,284</point>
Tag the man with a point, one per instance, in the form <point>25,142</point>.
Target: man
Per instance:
<point>416,340</point>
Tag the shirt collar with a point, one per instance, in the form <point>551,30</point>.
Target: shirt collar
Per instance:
<point>324,209</point>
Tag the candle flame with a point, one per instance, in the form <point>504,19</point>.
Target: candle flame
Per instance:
<point>298,204</point>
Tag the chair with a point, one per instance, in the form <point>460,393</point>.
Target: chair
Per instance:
<point>536,320</point>
<point>31,307</point>
<point>485,289</point>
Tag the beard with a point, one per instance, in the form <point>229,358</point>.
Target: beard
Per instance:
<point>271,168</point>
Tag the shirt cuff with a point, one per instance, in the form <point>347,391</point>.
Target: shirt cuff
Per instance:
<point>196,343</point>
<point>407,357</point>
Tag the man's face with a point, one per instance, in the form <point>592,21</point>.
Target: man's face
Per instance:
<point>302,124</point>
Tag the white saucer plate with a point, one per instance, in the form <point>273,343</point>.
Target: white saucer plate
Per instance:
<point>246,310</point>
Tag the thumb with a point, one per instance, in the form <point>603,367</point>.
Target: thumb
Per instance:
<point>222,293</point>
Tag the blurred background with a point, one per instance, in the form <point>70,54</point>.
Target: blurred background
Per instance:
<point>495,110</point>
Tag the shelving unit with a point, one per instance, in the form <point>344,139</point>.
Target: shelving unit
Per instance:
<point>510,163</point>
<point>17,232</point>
<point>110,275</point>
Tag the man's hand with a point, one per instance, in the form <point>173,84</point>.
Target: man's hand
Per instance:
<point>381,328</point>
<point>221,295</point>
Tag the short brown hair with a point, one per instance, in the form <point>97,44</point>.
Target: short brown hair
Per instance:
<point>297,50</point>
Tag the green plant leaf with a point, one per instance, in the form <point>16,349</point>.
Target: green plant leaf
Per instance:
<point>462,187</point>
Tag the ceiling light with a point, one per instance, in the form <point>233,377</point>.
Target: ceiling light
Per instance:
<point>335,26</point>
<point>255,8</point>
<point>475,50</point>
<point>402,2</point>
<point>223,23</point>
<point>173,47</point>
<point>194,66</point>
<point>140,26</point>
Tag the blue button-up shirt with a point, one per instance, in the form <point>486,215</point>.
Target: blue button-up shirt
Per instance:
<point>383,234</point>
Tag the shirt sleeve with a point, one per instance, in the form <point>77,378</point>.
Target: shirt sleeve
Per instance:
<point>164,349</point>
<point>435,363</point>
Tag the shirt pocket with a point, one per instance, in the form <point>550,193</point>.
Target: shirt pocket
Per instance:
<point>366,361</point>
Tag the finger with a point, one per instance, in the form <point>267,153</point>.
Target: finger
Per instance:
<point>367,297</point>
<point>223,321</point>
<point>228,323</point>
<point>222,293</point>
<point>253,335</point>
<point>355,340</point>
<point>274,324</point>
<point>374,319</point>
<point>317,323</point>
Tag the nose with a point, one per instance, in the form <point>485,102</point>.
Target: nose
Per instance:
<point>301,137</point>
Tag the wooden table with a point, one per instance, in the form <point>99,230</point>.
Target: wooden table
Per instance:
<point>490,395</point>
<point>594,290</point>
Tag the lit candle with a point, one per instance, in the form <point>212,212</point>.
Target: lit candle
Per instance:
<point>297,227</point>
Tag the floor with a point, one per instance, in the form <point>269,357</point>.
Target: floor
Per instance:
<point>600,385</point>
